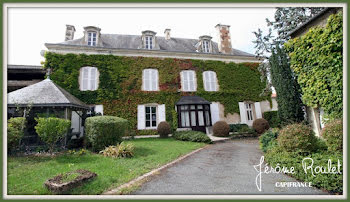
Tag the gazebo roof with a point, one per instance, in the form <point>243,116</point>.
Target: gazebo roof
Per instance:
<point>184,100</point>
<point>44,94</point>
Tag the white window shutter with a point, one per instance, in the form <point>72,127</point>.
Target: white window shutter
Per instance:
<point>214,111</point>
<point>242,112</point>
<point>161,113</point>
<point>182,75</point>
<point>157,79</point>
<point>205,80</point>
<point>190,80</point>
<point>92,80</point>
<point>258,110</point>
<point>141,117</point>
<point>85,78</point>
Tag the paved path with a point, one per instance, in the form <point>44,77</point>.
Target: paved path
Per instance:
<point>221,168</point>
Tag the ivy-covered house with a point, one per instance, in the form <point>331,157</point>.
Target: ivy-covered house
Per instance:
<point>147,79</point>
<point>316,52</point>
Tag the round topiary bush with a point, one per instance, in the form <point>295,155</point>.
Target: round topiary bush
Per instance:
<point>261,125</point>
<point>163,129</point>
<point>103,131</point>
<point>15,132</point>
<point>221,129</point>
<point>297,137</point>
<point>333,135</point>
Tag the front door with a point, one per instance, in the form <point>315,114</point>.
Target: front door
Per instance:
<point>196,117</point>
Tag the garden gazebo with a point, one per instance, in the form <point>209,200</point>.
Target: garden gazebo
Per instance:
<point>45,99</point>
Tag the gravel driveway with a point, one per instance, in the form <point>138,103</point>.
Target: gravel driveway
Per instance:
<point>221,168</point>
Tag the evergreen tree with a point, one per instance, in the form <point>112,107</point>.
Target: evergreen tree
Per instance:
<point>286,86</point>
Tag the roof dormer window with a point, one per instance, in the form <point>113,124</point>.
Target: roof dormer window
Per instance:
<point>149,42</point>
<point>206,46</point>
<point>92,38</point>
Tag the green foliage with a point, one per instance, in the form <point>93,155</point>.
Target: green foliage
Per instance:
<point>163,129</point>
<point>331,182</point>
<point>51,130</point>
<point>103,131</point>
<point>333,134</point>
<point>193,136</point>
<point>260,125</point>
<point>287,88</point>
<point>121,79</point>
<point>237,127</point>
<point>221,129</point>
<point>317,60</point>
<point>79,152</point>
<point>124,150</point>
<point>272,118</point>
<point>15,132</point>
<point>268,140</point>
<point>297,137</point>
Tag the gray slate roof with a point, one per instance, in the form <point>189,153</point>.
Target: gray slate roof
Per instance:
<point>119,41</point>
<point>44,93</point>
<point>184,100</point>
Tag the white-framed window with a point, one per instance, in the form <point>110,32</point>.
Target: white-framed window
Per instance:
<point>150,80</point>
<point>88,78</point>
<point>210,81</point>
<point>188,80</point>
<point>149,42</point>
<point>249,109</point>
<point>92,38</point>
<point>151,116</point>
<point>206,46</point>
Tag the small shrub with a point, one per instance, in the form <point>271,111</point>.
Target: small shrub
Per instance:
<point>238,127</point>
<point>15,132</point>
<point>268,140</point>
<point>297,137</point>
<point>121,150</point>
<point>272,118</point>
<point>193,136</point>
<point>260,125</point>
<point>77,152</point>
<point>333,135</point>
<point>51,130</point>
<point>221,129</point>
<point>163,129</point>
<point>103,131</point>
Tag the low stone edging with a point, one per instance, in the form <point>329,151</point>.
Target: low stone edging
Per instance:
<point>154,171</point>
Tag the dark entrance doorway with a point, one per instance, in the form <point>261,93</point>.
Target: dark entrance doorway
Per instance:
<point>193,112</point>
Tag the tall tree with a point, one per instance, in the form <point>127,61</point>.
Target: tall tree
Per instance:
<point>287,89</point>
<point>277,67</point>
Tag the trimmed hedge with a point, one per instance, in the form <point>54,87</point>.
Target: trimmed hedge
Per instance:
<point>238,127</point>
<point>260,125</point>
<point>163,129</point>
<point>331,182</point>
<point>268,140</point>
<point>103,131</point>
<point>297,137</point>
<point>15,132</point>
<point>272,118</point>
<point>221,129</point>
<point>51,130</point>
<point>333,135</point>
<point>193,136</point>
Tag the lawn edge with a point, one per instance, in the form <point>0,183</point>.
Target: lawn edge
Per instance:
<point>143,177</point>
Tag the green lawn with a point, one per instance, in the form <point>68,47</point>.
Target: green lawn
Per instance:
<point>26,175</point>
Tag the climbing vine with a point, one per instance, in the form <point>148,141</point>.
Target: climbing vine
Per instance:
<point>120,82</point>
<point>317,60</point>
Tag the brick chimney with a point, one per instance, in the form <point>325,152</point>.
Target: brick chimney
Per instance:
<point>224,41</point>
<point>167,34</point>
<point>70,29</point>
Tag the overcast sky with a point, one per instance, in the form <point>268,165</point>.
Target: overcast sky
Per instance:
<point>30,28</point>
